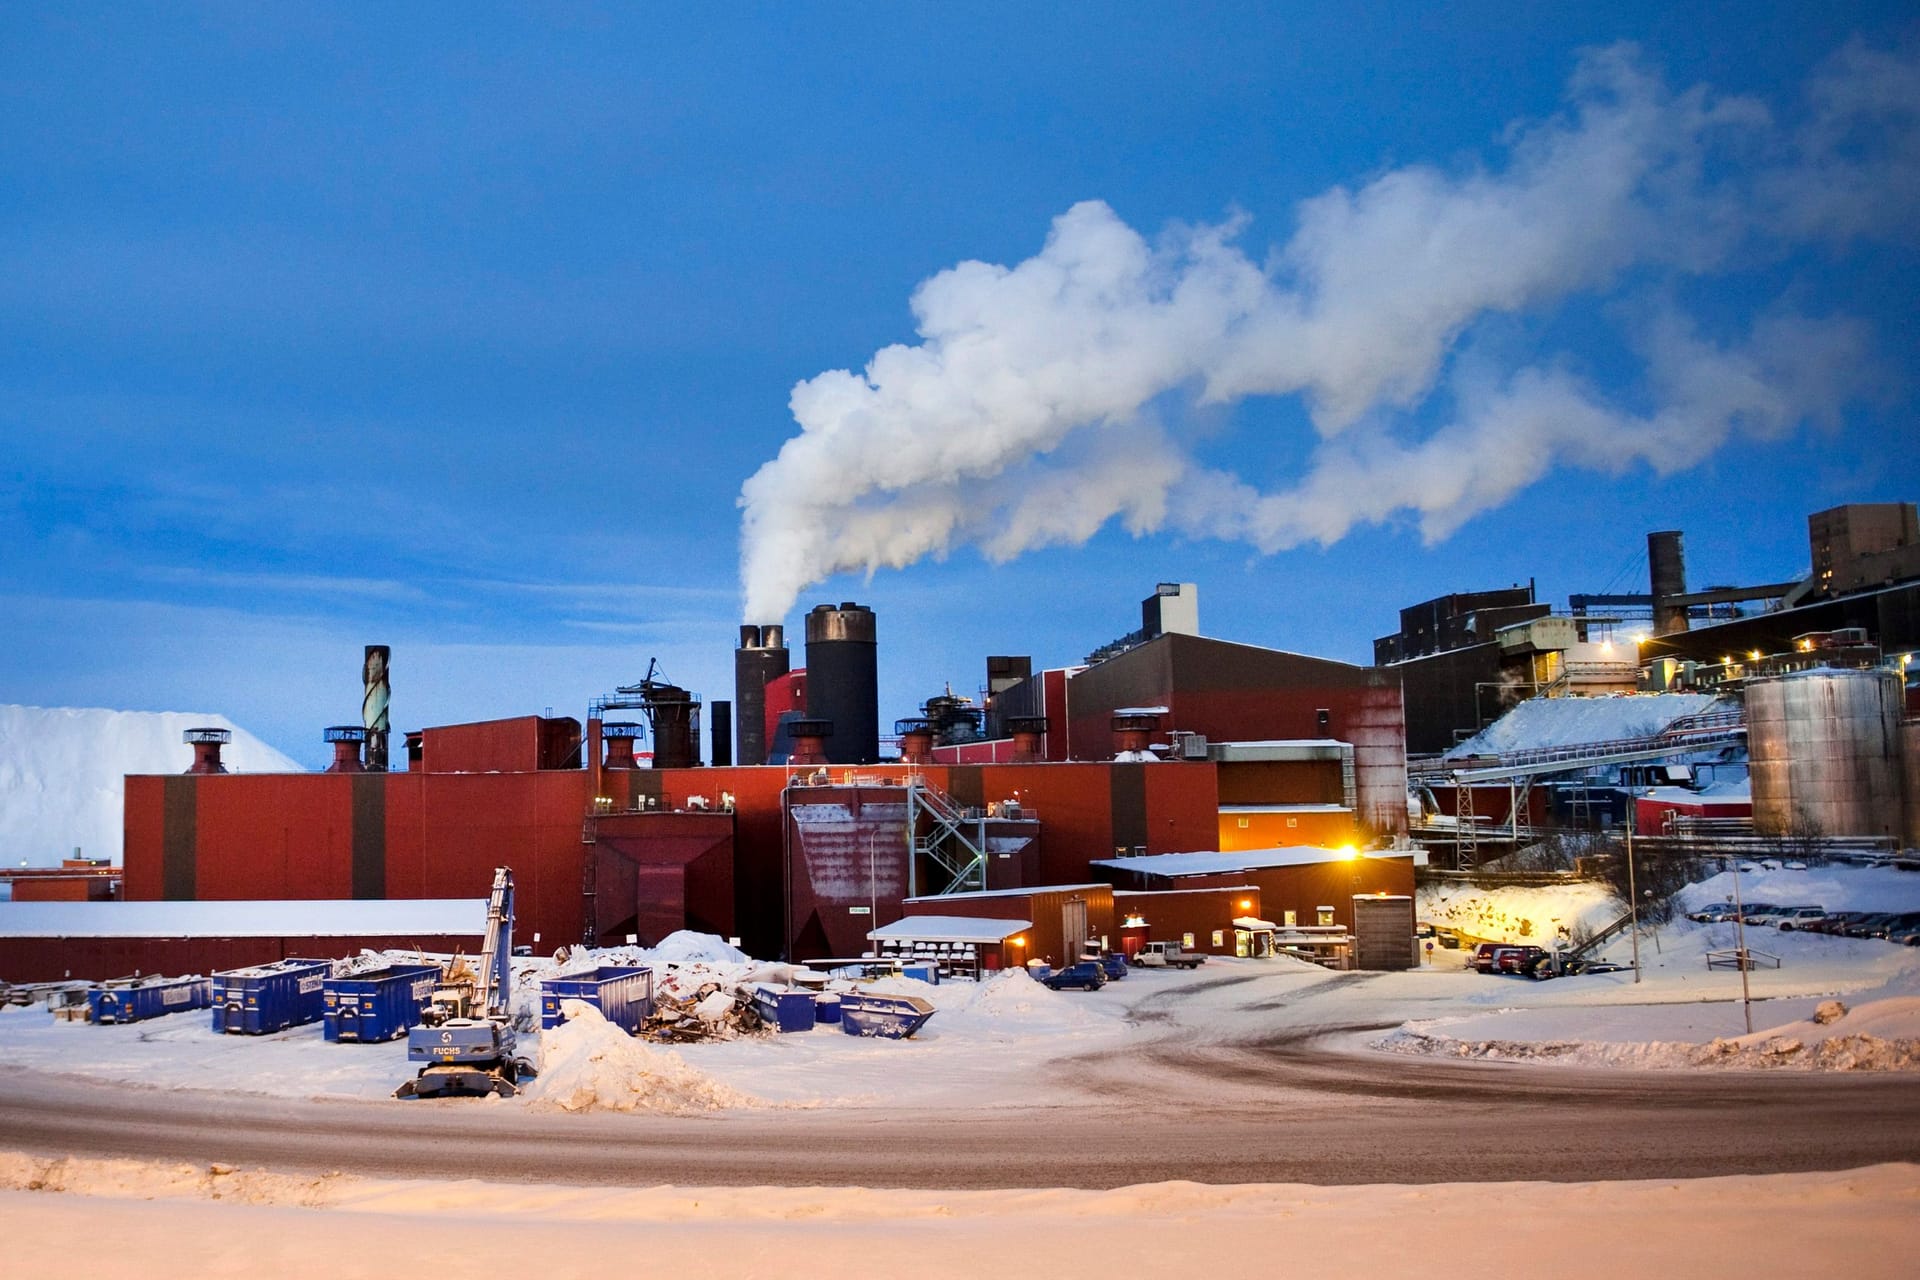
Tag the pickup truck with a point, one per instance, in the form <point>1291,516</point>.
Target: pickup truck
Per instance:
<point>1162,955</point>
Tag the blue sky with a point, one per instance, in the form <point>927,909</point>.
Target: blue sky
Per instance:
<point>462,330</point>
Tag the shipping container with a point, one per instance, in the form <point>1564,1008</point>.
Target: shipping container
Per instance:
<point>269,997</point>
<point>140,999</point>
<point>622,993</point>
<point>378,1004</point>
<point>784,1010</point>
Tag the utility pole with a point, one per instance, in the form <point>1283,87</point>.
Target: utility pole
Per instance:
<point>1633,895</point>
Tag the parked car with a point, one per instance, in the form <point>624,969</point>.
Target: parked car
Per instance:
<point>1712,913</point>
<point>1089,975</point>
<point>1483,956</point>
<point>1517,960</point>
<point>1774,915</point>
<point>1832,922</point>
<point>1749,910</point>
<point>1799,918</point>
<point>1114,965</point>
<point>1873,924</point>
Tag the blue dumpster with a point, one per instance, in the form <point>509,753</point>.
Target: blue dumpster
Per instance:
<point>927,971</point>
<point>784,1010</point>
<point>826,1009</point>
<point>622,993</point>
<point>269,997</point>
<point>866,1013</point>
<point>378,1004</point>
<point>137,999</point>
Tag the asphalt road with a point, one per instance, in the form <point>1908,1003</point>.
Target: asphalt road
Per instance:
<point>1286,1110</point>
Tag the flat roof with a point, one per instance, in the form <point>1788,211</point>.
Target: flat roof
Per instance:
<point>1006,893</point>
<point>320,918</point>
<point>948,929</point>
<point>1212,888</point>
<point>1285,808</point>
<point>1209,864</point>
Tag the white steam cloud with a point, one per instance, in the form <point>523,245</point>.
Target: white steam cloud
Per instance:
<point>1035,407</point>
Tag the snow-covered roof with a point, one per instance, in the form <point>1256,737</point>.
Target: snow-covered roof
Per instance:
<point>1717,793</point>
<point>1572,722</point>
<point>373,918</point>
<point>1157,893</point>
<point>1006,893</point>
<point>1284,808</point>
<point>1253,922</point>
<point>948,929</point>
<point>1210,864</point>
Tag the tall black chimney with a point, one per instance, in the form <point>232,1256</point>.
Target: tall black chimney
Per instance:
<point>843,682</point>
<point>762,656</point>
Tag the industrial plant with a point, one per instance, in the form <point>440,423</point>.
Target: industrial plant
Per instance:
<point>1174,789</point>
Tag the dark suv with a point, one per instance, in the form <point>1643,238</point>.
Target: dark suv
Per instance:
<point>1086,973</point>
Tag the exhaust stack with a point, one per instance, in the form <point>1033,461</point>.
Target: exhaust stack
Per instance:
<point>206,743</point>
<point>378,692</point>
<point>761,657</point>
<point>346,740</point>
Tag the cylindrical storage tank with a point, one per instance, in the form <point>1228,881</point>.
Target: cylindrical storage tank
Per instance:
<point>1824,753</point>
<point>843,680</point>
<point>762,656</point>
<point>1667,569</point>
<point>676,726</point>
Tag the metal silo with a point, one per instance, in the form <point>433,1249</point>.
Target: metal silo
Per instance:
<point>762,656</point>
<point>843,680</point>
<point>1824,748</point>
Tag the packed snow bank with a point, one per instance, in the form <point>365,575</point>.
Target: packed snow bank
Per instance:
<point>1880,1035</point>
<point>63,773</point>
<point>162,1222</point>
<point>588,1064</point>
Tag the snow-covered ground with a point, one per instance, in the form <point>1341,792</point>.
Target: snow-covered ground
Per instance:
<point>63,772</point>
<point>159,1222</point>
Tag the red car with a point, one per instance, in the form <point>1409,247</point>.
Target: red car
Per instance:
<point>1482,960</point>
<point>1518,960</point>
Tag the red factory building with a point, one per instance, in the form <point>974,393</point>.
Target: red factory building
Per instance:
<point>805,854</point>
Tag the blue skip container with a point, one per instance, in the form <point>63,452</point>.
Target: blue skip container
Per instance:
<point>826,1009</point>
<point>140,999</point>
<point>865,1013</point>
<point>784,1010</point>
<point>269,997</point>
<point>622,993</point>
<point>377,1004</point>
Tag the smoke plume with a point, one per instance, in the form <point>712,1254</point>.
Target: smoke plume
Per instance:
<point>1049,398</point>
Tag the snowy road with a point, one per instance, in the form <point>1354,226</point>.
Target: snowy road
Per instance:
<point>1285,1111</point>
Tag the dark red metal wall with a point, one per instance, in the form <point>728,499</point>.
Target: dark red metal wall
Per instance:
<point>519,745</point>
<point>660,871</point>
<point>1171,915</point>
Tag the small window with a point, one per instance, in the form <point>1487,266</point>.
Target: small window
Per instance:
<point>1243,823</point>
<point>1326,916</point>
<point>1219,937</point>
<point>1186,941</point>
<point>1291,919</point>
<point>1293,822</point>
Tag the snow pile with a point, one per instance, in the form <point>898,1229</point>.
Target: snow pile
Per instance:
<point>686,947</point>
<point>1881,1035</point>
<point>1539,914</point>
<point>1570,722</point>
<point>63,771</point>
<point>588,1064</point>
<point>1836,888</point>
